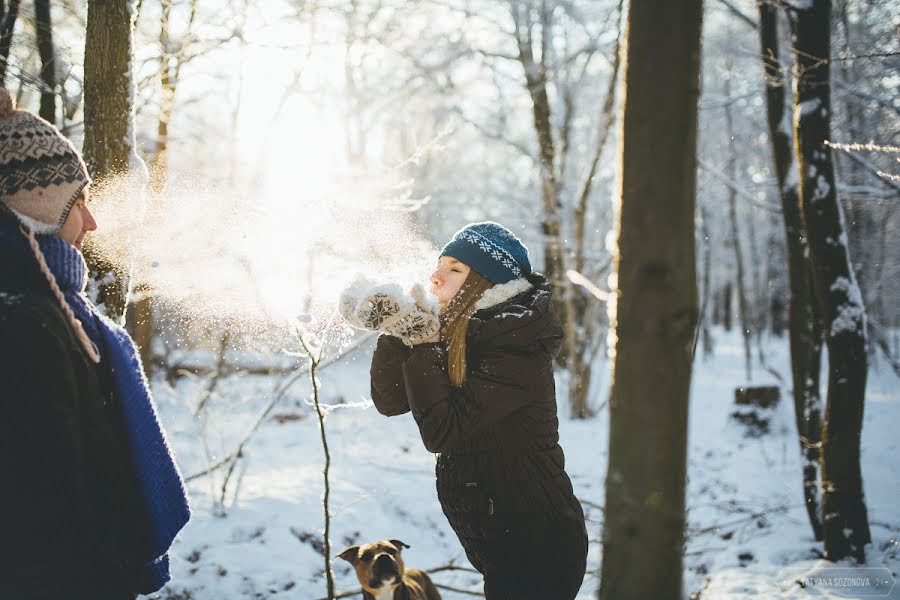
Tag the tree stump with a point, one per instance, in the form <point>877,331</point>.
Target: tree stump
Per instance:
<point>757,404</point>
<point>763,396</point>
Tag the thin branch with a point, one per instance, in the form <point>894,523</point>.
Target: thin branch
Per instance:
<point>884,178</point>
<point>739,14</point>
<point>494,135</point>
<point>736,188</point>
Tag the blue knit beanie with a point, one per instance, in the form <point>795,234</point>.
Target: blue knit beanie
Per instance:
<point>492,250</point>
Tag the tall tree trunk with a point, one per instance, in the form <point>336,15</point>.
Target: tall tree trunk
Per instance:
<point>656,299</point>
<point>845,520</point>
<point>740,276</point>
<point>44,35</point>
<point>108,131</point>
<point>8,16</point>
<point>584,323</point>
<point>804,327</point>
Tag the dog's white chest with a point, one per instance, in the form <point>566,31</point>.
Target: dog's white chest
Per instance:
<point>385,593</point>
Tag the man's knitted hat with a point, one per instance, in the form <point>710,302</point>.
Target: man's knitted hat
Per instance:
<point>490,249</point>
<point>41,172</point>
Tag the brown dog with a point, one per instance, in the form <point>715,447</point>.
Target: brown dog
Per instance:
<point>379,568</point>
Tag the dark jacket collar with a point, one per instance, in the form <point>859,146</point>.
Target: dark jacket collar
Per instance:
<point>520,322</point>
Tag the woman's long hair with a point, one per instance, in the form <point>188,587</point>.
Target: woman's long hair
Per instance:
<point>455,323</point>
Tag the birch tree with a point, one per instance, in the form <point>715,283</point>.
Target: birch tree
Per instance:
<point>656,305</point>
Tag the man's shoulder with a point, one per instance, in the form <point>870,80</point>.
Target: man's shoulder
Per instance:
<point>32,313</point>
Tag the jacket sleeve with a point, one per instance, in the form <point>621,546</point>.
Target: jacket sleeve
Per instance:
<point>501,383</point>
<point>388,388</point>
<point>48,545</point>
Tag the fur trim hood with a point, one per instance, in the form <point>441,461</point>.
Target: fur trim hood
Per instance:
<point>502,292</point>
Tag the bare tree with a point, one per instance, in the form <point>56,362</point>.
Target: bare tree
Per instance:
<point>845,520</point>
<point>534,28</point>
<point>44,33</point>
<point>656,305</point>
<point>8,16</point>
<point>108,117</point>
<point>740,274</point>
<point>804,327</point>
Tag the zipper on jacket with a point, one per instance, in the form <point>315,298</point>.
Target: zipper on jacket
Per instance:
<point>490,507</point>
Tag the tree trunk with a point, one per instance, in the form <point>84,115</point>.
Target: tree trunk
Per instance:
<point>740,276</point>
<point>108,132</point>
<point>44,36</point>
<point>643,531</point>
<point>583,319</point>
<point>727,312</point>
<point>777,278</point>
<point>551,224</point>
<point>7,25</point>
<point>804,328</point>
<point>706,334</point>
<point>845,520</point>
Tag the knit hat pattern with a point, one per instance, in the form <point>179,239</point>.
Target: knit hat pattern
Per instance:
<point>490,249</point>
<point>42,174</point>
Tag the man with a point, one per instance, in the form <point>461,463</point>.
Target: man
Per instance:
<point>91,498</point>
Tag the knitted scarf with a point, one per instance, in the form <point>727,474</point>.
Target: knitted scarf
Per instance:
<point>162,488</point>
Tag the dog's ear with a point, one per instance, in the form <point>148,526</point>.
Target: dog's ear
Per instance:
<point>400,545</point>
<point>351,555</point>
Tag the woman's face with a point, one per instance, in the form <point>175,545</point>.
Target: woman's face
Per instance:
<point>79,222</point>
<point>447,279</point>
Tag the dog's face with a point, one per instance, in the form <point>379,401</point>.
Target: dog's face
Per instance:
<point>378,565</point>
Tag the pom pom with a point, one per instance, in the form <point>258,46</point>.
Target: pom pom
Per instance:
<point>7,104</point>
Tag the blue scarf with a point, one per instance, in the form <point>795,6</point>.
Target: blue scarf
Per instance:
<point>162,488</point>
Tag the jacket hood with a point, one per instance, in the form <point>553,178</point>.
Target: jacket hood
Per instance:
<point>517,314</point>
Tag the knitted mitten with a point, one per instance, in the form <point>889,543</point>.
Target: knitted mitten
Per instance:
<point>387,309</point>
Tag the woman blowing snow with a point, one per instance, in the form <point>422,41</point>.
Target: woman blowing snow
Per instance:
<point>478,379</point>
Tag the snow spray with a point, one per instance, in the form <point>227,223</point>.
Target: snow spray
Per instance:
<point>257,259</point>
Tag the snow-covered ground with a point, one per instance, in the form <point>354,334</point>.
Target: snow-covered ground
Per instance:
<point>748,532</point>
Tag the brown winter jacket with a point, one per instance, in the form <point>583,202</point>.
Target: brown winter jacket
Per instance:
<point>500,470</point>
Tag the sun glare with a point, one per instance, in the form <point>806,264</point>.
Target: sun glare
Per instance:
<point>297,226</point>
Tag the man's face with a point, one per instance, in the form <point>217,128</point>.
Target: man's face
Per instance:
<point>79,222</point>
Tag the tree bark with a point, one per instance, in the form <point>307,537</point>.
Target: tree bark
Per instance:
<point>7,25</point>
<point>108,132</point>
<point>804,327</point>
<point>643,532</point>
<point>44,35</point>
<point>845,520</point>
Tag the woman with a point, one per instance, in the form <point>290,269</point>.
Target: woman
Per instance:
<point>484,401</point>
<point>91,498</point>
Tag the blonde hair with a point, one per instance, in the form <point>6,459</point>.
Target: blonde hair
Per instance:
<point>455,323</point>
<point>89,347</point>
